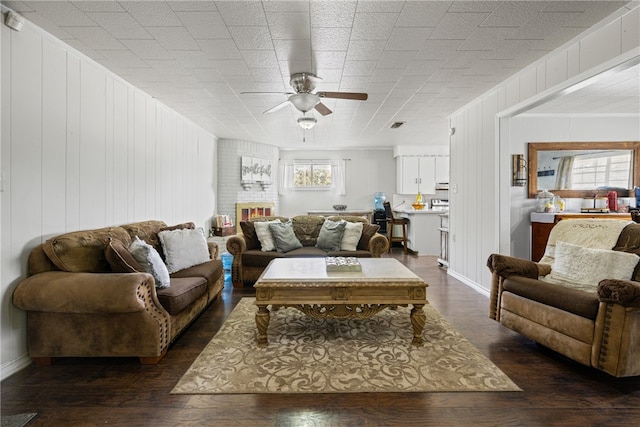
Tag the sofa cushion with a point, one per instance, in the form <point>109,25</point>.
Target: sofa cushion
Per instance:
<point>210,270</point>
<point>575,301</point>
<point>147,231</point>
<point>120,259</point>
<point>184,248</point>
<point>283,236</point>
<point>583,268</point>
<point>307,252</point>
<point>267,244</point>
<point>330,235</point>
<point>368,231</point>
<point>249,230</point>
<point>182,292</point>
<point>150,260</point>
<point>351,236</point>
<point>83,251</point>
<point>357,253</point>
<point>307,228</point>
<point>258,258</point>
<point>183,226</point>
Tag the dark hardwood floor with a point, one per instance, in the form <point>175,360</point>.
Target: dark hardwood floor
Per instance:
<point>556,391</point>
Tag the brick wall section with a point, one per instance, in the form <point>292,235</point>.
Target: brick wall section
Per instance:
<point>230,192</point>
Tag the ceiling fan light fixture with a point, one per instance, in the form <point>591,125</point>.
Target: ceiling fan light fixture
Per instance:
<point>304,101</point>
<point>307,123</point>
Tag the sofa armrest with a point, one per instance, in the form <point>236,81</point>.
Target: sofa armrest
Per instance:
<point>214,251</point>
<point>378,244</point>
<point>236,244</point>
<point>506,266</point>
<point>64,292</point>
<point>623,292</point>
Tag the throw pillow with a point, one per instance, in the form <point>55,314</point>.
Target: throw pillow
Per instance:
<point>330,235</point>
<point>351,236</point>
<point>149,259</point>
<point>264,235</point>
<point>120,259</point>
<point>184,248</point>
<point>283,236</point>
<point>249,232</point>
<point>585,267</point>
<point>368,231</point>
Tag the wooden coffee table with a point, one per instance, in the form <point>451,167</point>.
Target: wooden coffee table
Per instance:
<point>304,283</point>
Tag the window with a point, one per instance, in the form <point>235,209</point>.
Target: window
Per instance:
<point>601,171</point>
<point>304,175</point>
<point>312,176</point>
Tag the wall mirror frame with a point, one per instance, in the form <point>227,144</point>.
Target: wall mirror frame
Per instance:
<point>535,147</point>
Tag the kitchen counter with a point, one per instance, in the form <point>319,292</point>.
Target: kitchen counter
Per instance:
<point>411,210</point>
<point>423,231</point>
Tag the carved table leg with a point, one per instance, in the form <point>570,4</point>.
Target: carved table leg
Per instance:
<point>262,322</point>
<point>418,319</point>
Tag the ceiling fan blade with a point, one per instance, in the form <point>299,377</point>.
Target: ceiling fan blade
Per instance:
<point>266,93</point>
<point>322,109</point>
<point>277,107</point>
<point>344,95</point>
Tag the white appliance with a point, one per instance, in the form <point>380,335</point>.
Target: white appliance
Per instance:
<point>440,204</point>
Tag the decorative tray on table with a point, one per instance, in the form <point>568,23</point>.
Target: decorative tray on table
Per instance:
<point>340,263</point>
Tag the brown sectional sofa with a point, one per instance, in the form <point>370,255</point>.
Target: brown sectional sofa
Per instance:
<point>249,260</point>
<point>598,329</point>
<point>80,302</point>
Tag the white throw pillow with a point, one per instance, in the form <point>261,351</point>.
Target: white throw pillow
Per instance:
<point>586,267</point>
<point>264,235</point>
<point>150,260</point>
<point>351,236</point>
<point>184,248</point>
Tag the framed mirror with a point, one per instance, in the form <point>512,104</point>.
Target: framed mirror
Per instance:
<point>584,169</point>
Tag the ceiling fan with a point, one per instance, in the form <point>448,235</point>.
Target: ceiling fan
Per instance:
<point>305,99</point>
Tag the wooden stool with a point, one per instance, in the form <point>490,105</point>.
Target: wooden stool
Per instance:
<point>391,221</point>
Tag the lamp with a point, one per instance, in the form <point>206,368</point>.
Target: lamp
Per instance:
<point>518,170</point>
<point>304,101</point>
<point>307,123</point>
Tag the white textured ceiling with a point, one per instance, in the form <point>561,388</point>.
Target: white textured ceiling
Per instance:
<point>614,93</point>
<point>419,61</point>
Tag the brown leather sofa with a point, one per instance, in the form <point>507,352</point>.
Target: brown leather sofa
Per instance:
<point>599,329</point>
<point>249,260</point>
<point>80,303</point>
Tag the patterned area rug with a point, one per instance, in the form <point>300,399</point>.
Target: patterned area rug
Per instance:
<point>339,356</point>
<point>17,420</point>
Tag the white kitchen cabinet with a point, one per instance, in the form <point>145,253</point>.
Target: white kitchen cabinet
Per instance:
<point>416,174</point>
<point>442,169</point>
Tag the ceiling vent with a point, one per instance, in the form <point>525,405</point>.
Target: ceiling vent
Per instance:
<point>396,125</point>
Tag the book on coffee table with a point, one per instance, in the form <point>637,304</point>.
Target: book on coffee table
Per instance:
<point>341,263</point>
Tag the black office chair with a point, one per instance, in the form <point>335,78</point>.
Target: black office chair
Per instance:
<point>391,221</point>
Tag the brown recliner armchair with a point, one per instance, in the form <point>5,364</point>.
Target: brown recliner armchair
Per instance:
<point>600,329</point>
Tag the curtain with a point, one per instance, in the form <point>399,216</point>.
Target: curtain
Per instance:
<point>338,173</point>
<point>285,177</point>
<point>564,175</point>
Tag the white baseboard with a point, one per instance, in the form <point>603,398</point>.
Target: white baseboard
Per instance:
<point>13,366</point>
<point>470,283</point>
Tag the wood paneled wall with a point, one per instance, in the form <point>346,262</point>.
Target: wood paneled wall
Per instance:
<point>82,148</point>
<point>483,218</point>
